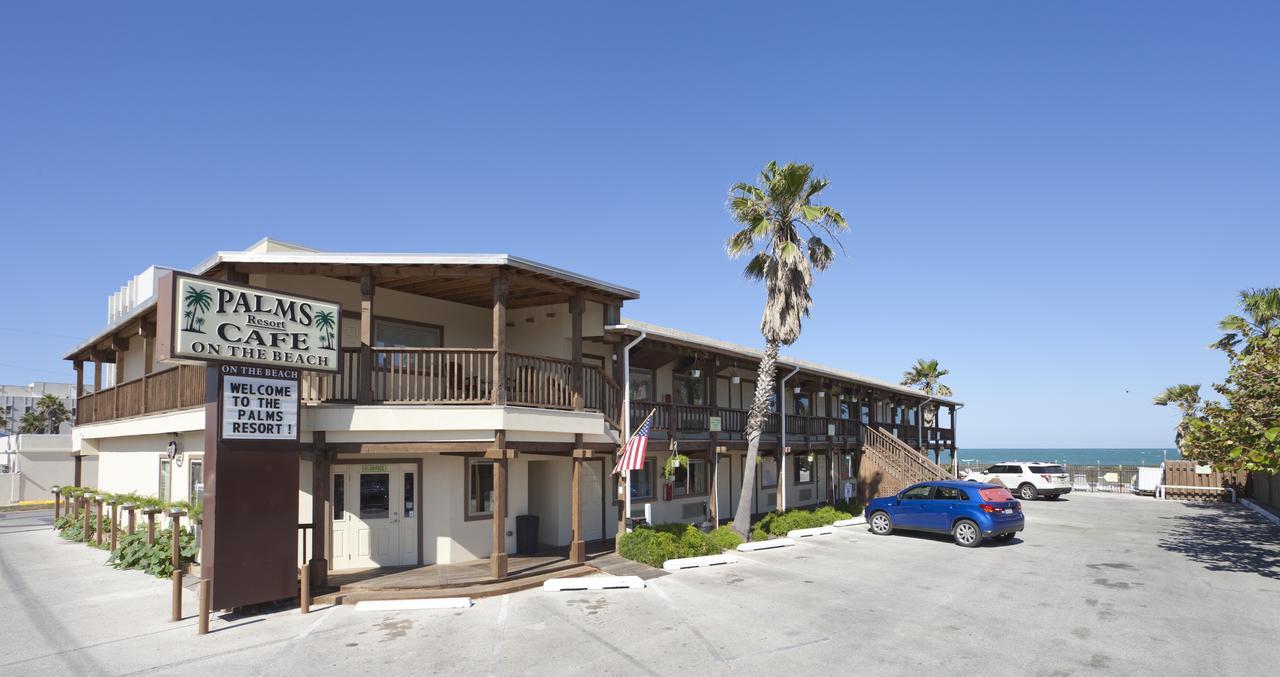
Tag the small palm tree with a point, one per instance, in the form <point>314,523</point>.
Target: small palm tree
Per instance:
<point>1186,398</point>
<point>195,299</point>
<point>324,322</point>
<point>52,412</point>
<point>785,229</point>
<point>1261,314</point>
<point>926,376</point>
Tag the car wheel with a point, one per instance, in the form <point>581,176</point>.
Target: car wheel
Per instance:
<point>966,534</point>
<point>1027,492</point>
<point>881,524</point>
<point>1004,537</point>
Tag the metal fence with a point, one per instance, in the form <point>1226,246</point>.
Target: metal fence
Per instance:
<point>1114,479</point>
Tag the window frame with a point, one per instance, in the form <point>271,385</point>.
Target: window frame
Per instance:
<point>191,476</point>
<point>653,384</point>
<point>164,485</point>
<point>928,490</point>
<point>698,384</point>
<point>468,514</point>
<point>795,470</point>
<point>678,492</point>
<point>760,475</point>
<point>651,467</point>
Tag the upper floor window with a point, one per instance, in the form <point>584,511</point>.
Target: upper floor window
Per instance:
<point>802,404</point>
<point>691,479</point>
<point>642,385</point>
<point>392,334</point>
<point>688,389</point>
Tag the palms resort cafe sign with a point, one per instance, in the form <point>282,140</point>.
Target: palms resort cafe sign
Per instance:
<point>204,320</point>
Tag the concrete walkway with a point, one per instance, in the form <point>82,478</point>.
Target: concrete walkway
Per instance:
<point>1095,586</point>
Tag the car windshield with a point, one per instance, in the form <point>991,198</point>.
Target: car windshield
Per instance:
<point>1048,470</point>
<point>995,494</point>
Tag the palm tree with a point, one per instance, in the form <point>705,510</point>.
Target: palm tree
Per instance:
<point>324,322</point>
<point>31,424</point>
<point>1186,398</point>
<point>1262,314</point>
<point>4,417</point>
<point>53,412</point>
<point>196,299</point>
<point>926,376</point>
<point>785,230</point>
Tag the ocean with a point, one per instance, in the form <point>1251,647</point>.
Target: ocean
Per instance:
<point>1105,457</point>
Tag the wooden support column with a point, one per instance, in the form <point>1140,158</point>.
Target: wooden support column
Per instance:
<point>576,307</point>
<point>498,556</point>
<point>320,511</point>
<point>97,375</point>
<point>79,366</point>
<point>500,338</point>
<point>713,461</point>
<point>364,383</point>
<point>578,546</point>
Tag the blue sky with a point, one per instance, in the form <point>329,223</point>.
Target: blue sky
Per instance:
<point>1058,201</point>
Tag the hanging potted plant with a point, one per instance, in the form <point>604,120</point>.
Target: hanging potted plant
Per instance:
<point>674,462</point>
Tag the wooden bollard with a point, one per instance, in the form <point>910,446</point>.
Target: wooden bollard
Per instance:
<point>304,594</point>
<point>132,522</point>
<point>151,525</point>
<point>175,516</point>
<point>57,504</point>
<point>84,531</point>
<point>97,536</point>
<point>204,607</point>
<point>115,521</point>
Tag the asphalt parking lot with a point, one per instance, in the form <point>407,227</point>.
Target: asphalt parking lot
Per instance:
<point>1095,585</point>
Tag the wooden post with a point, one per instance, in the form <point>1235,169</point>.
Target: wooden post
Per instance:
<point>115,524</point>
<point>84,533</point>
<point>78,470</point>
<point>498,557</point>
<point>175,558</point>
<point>151,526</point>
<point>499,394</point>
<point>576,308</point>
<point>713,461</point>
<point>365,378</point>
<point>320,513</point>
<point>304,589</point>
<point>97,374</point>
<point>204,607</point>
<point>130,508</point>
<point>577,546</point>
<point>97,534</point>
<point>57,504</point>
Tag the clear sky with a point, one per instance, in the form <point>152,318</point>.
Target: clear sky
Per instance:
<point>1056,200</point>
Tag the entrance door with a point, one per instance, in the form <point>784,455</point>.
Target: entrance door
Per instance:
<point>375,515</point>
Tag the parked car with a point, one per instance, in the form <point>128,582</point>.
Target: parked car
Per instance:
<point>1028,480</point>
<point>966,510</point>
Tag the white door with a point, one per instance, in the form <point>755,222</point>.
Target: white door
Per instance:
<point>375,515</point>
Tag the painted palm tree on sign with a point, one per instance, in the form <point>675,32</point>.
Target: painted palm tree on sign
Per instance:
<point>1184,396</point>
<point>926,376</point>
<point>324,322</point>
<point>197,302</point>
<point>787,236</point>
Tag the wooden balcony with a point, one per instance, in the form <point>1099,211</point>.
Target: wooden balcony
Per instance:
<point>435,376</point>
<point>155,393</point>
<point>695,419</point>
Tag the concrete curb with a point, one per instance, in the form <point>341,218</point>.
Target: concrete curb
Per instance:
<point>594,583</point>
<point>409,604</point>
<point>809,533</point>
<point>852,522</point>
<point>765,545</point>
<point>1266,514</point>
<point>695,562</point>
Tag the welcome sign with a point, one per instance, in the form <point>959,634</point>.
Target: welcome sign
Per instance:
<point>216,321</point>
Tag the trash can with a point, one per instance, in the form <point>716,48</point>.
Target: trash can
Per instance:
<point>527,534</point>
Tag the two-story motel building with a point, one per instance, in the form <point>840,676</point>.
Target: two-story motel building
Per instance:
<point>472,381</point>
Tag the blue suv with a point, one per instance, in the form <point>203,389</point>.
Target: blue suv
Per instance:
<point>969,511</point>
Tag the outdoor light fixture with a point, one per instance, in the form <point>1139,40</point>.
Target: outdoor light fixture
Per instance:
<point>796,390</point>
<point>735,379</point>
<point>822,393</point>
<point>696,373</point>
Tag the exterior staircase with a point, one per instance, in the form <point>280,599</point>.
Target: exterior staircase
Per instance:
<point>890,465</point>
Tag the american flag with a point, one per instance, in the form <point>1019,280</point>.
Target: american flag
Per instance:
<point>633,453</point>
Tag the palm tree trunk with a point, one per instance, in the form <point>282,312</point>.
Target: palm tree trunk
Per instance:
<point>755,423</point>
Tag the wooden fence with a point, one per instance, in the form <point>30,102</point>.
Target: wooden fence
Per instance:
<point>1265,489</point>
<point>1184,474</point>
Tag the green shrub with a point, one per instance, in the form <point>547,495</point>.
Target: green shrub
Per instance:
<point>656,544</point>
<point>774,525</point>
<point>853,508</point>
<point>157,558</point>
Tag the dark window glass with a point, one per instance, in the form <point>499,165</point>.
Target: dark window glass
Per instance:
<point>480,498</point>
<point>339,497</point>
<point>375,495</point>
<point>804,470</point>
<point>408,494</point>
<point>917,493</point>
<point>947,494</point>
<point>964,495</point>
<point>1048,470</point>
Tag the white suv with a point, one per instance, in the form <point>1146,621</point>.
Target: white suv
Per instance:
<point>1028,480</point>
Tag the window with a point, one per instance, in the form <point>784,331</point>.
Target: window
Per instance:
<point>801,404</point>
<point>768,471</point>
<point>166,470</point>
<point>949,494</point>
<point>479,488</point>
<point>389,334</point>
<point>691,479</point>
<point>1048,470</point>
<point>339,497</point>
<point>375,495</point>
<point>688,389</point>
<point>916,493</point>
<point>195,488</point>
<point>804,470</point>
<point>408,494</point>
<point>640,484</point>
<point>642,385</point>
<point>846,465</point>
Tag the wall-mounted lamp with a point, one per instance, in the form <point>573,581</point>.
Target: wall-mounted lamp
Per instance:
<point>696,373</point>
<point>735,379</point>
<point>796,390</point>
<point>822,393</point>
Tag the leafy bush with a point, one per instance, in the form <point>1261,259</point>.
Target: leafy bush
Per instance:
<point>656,544</point>
<point>155,559</point>
<point>776,525</point>
<point>853,508</point>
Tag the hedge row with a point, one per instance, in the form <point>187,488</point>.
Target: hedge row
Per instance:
<point>133,551</point>
<point>775,525</point>
<point>656,544</point>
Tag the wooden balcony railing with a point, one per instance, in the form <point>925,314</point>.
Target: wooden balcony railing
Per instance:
<point>162,391</point>
<point>694,418</point>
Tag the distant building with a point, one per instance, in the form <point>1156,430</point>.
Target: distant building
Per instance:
<point>18,400</point>
<point>31,465</point>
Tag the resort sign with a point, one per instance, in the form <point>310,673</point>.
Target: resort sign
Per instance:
<point>205,320</point>
<point>259,403</point>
